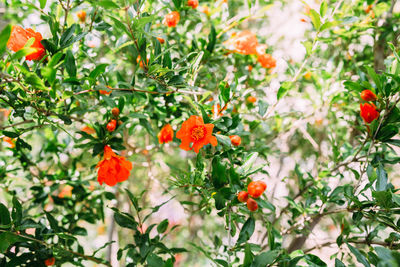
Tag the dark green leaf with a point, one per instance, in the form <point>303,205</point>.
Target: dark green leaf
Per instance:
<point>70,63</point>
<point>247,230</point>
<point>162,227</point>
<point>4,36</point>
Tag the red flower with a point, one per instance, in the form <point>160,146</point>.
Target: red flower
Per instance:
<point>172,19</point>
<point>368,95</point>
<point>104,92</point>
<point>50,261</point>
<point>256,188</point>
<point>166,134</point>
<point>111,125</point>
<point>193,3</point>
<point>195,132</point>
<point>115,112</point>
<point>368,112</point>
<point>267,61</point>
<point>113,168</point>
<point>235,140</point>
<point>252,204</point>
<point>19,37</point>
<point>243,196</point>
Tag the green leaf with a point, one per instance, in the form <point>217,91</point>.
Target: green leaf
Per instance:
<point>67,36</point>
<point>314,260</point>
<point>162,227</point>
<point>177,4</point>
<point>219,178</point>
<point>315,18</point>
<point>42,3</point>
<point>247,230</point>
<point>70,65</point>
<point>108,4</point>
<point>98,70</point>
<point>154,261</point>
<point>23,52</point>
<point>7,239</point>
<point>212,38</point>
<point>339,263</point>
<point>4,36</point>
<point>323,8</point>
<point>124,219</point>
<point>248,256</point>
<point>265,258</point>
<point>383,198</point>
<point>285,87</point>
<point>219,201</point>
<point>381,182</point>
<point>360,257</point>
<point>387,132</point>
<point>10,134</point>
<point>225,91</point>
<point>52,221</point>
<point>5,219</point>
<point>328,24</point>
<point>16,213</point>
<point>119,25</point>
<point>49,46</point>
<point>375,78</point>
<point>133,199</point>
<point>353,86</point>
<point>248,163</point>
<point>35,81</point>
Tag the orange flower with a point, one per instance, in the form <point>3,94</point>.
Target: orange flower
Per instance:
<point>172,19</point>
<point>66,191</point>
<point>244,43</point>
<point>251,99</point>
<point>9,141</point>
<point>195,132</point>
<point>88,130</point>
<point>205,10</point>
<point>19,37</point>
<point>235,140</point>
<point>115,111</point>
<point>113,168</point>
<point>193,3</point>
<point>166,134</point>
<point>104,92</point>
<point>308,76</point>
<point>267,61</point>
<point>50,261</point>
<point>140,62</point>
<point>368,112</point>
<point>161,40</point>
<point>81,15</point>
<point>368,9</point>
<point>368,95</point>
